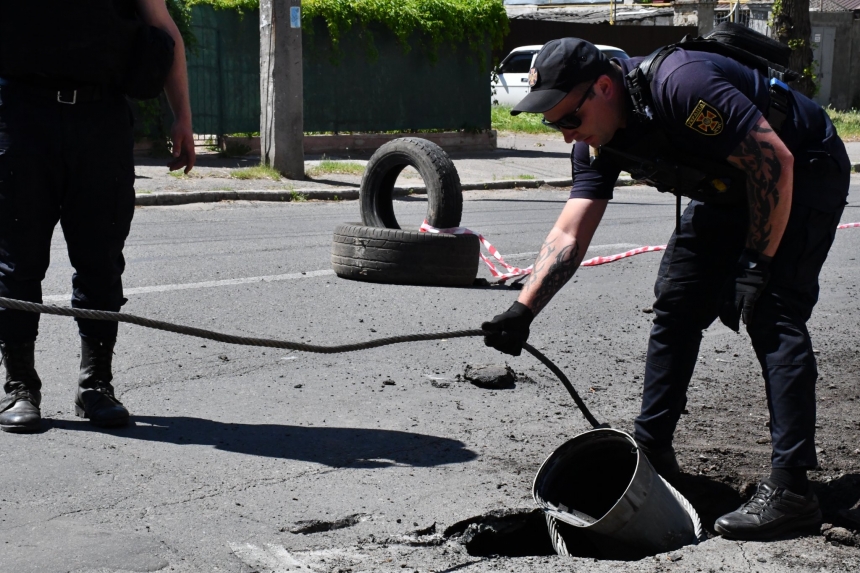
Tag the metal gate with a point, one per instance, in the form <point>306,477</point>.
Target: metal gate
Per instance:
<point>224,71</point>
<point>394,92</point>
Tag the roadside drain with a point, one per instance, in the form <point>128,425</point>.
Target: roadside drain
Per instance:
<point>512,533</point>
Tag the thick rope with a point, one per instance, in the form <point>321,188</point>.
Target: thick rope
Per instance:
<point>701,535</point>
<point>221,337</point>
<point>24,306</point>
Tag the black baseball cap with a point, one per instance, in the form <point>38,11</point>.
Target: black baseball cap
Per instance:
<point>559,67</point>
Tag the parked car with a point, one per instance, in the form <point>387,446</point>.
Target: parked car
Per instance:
<point>512,82</point>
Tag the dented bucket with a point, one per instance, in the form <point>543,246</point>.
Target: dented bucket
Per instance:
<point>602,484</point>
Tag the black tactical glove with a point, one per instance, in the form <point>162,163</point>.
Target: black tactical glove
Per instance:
<point>742,292</point>
<point>507,331</point>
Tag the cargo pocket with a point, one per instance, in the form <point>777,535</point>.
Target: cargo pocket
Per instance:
<point>820,233</point>
<point>804,248</point>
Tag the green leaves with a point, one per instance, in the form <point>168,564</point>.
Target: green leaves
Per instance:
<point>477,22</point>
<point>451,22</point>
<point>239,5</point>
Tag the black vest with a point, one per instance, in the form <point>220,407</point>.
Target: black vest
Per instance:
<point>652,159</point>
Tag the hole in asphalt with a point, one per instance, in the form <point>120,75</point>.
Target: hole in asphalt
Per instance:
<point>710,498</point>
<point>513,533</point>
<point>523,532</point>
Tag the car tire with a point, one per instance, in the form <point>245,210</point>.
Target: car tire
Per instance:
<point>404,256</point>
<point>444,194</point>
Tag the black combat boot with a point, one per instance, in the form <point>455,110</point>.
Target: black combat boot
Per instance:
<point>19,408</point>
<point>95,399</point>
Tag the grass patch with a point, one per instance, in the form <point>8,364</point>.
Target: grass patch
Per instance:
<point>329,167</point>
<point>297,197</point>
<point>502,120</point>
<point>847,123</point>
<point>524,176</point>
<point>257,172</point>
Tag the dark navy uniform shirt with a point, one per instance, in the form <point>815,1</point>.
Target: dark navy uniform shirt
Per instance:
<point>709,103</point>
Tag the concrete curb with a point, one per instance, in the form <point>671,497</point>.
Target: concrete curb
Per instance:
<point>284,196</point>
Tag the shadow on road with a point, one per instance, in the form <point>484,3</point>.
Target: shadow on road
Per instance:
<point>335,447</point>
<point>837,498</point>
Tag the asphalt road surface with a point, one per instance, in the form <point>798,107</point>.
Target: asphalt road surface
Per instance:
<point>242,459</point>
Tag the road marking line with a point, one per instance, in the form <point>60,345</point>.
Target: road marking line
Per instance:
<point>274,278</point>
<point>277,559</point>
<point>273,558</point>
<point>207,284</point>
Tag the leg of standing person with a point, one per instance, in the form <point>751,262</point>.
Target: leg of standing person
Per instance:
<point>96,220</point>
<point>31,181</point>
<point>699,259</point>
<point>784,501</point>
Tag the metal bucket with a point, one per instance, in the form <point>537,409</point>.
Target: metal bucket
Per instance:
<point>602,484</point>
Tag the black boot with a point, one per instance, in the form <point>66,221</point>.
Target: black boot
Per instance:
<point>663,461</point>
<point>19,408</point>
<point>95,399</point>
<point>772,512</point>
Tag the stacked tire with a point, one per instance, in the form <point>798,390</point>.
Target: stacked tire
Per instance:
<point>379,250</point>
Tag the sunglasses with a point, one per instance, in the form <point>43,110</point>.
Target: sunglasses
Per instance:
<point>571,120</point>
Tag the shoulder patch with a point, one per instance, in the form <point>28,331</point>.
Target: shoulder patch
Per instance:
<point>705,119</point>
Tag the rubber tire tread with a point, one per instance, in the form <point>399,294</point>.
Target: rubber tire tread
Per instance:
<point>444,192</point>
<point>399,256</point>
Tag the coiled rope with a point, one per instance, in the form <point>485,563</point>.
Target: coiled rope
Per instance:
<point>25,306</point>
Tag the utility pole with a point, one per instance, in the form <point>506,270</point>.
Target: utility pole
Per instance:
<point>611,12</point>
<point>281,114</point>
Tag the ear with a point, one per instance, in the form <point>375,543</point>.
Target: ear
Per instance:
<point>604,86</point>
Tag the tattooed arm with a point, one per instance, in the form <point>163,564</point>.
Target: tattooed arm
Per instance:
<point>769,167</point>
<point>562,251</point>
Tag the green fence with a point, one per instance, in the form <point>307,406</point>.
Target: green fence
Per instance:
<point>224,71</point>
<point>348,91</point>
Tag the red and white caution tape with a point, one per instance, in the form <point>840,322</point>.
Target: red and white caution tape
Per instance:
<point>612,258</point>
<point>516,272</point>
<point>513,272</point>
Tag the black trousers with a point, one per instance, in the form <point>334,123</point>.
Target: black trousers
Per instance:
<point>70,164</point>
<point>700,258</point>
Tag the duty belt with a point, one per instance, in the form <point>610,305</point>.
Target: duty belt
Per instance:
<point>69,96</point>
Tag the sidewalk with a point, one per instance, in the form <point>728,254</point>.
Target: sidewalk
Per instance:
<point>527,161</point>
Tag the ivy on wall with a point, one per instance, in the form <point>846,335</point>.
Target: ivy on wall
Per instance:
<point>451,22</point>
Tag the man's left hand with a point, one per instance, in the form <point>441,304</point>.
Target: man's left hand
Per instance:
<point>742,292</point>
<point>184,154</point>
